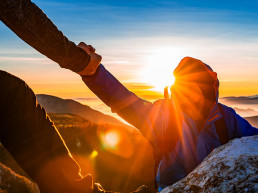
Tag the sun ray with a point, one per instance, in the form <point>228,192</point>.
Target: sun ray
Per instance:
<point>159,66</point>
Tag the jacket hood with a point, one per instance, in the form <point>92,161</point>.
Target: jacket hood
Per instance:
<point>198,81</point>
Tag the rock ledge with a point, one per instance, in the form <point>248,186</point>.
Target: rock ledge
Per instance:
<point>229,168</point>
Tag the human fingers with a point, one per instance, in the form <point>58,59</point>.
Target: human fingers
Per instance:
<point>85,47</point>
<point>91,48</point>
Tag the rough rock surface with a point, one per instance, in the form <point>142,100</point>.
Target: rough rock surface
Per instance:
<point>229,168</point>
<point>11,182</point>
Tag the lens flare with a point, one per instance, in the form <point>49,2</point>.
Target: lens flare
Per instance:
<point>94,154</point>
<point>111,139</point>
<point>116,140</point>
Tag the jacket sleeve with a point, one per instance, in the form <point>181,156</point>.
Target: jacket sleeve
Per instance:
<point>142,114</point>
<point>28,22</point>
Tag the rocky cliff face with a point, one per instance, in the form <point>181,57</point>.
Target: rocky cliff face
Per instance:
<point>11,182</point>
<point>229,168</point>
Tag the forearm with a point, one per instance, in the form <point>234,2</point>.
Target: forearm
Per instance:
<point>121,101</point>
<point>109,89</point>
<point>149,118</point>
<point>28,22</point>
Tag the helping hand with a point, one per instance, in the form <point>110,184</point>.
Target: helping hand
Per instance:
<point>95,60</point>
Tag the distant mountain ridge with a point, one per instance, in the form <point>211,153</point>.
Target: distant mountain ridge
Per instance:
<point>53,104</point>
<point>246,112</point>
<point>242,99</point>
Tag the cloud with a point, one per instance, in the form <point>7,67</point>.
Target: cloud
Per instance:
<point>244,105</point>
<point>138,86</point>
<point>87,99</point>
<point>248,112</point>
<point>24,59</point>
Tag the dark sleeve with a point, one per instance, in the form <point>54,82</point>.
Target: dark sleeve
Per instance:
<point>142,114</point>
<point>28,22</point>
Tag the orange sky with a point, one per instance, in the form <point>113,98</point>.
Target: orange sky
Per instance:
<point>141,69</point>
<point>143,48</point>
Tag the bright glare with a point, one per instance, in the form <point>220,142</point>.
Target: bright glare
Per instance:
<point>94,154</point>
<point>111,139</point>
<point>160,64</point>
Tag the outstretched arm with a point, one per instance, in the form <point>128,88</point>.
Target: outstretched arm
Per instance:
<point>149,118</point>
<point>136,111</point>
<point>29,22</point>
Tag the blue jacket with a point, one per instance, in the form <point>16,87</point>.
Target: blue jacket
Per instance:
<point>152,120</point>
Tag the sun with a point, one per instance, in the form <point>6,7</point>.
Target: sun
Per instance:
<point>159,76</point>
<point>159,67</point>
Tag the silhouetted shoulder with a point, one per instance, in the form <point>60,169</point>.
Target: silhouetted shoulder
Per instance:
<point>226,109</point>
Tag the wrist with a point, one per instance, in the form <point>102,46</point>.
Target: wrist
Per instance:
<point>91,68</point>
<point>94,62</point>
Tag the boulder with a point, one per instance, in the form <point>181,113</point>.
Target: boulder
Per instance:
<point>232,167</point>
<point>10,182</point>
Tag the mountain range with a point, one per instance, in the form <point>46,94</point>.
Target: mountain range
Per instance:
<point>53,104</point>
<point>246,112</point>
<point>121,168</point>
<point>241,100</point>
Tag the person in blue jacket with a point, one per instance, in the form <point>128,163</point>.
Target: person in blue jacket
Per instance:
<point>182,129</point>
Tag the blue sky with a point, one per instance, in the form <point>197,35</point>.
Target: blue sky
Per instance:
<point>106,18</point>
<point>132,36</point>
<point>136,18</point>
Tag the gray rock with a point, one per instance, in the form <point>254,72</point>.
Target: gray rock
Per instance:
<point>10,182</point>
<point>229,168</point>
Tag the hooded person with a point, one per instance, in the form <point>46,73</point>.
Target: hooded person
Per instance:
<point>182,129</point>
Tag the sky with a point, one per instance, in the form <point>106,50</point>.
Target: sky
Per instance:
<point>141,42</point>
